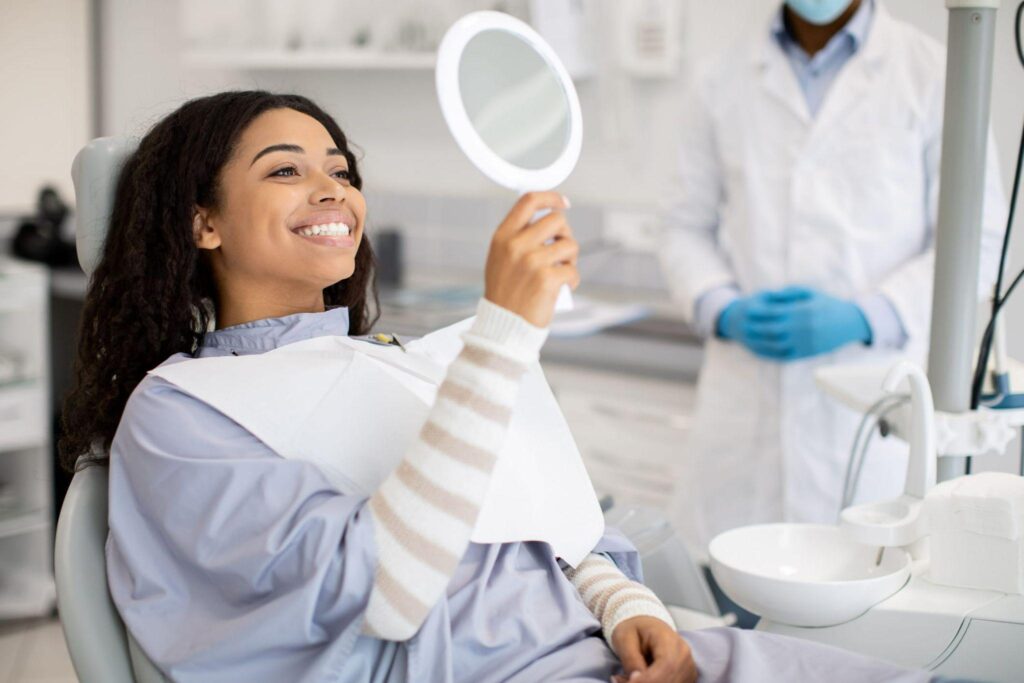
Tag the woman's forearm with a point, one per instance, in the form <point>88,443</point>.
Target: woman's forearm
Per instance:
<point>612,597</point>
<point>426,509</point>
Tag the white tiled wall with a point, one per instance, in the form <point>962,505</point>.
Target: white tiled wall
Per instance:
<point>453,233</point>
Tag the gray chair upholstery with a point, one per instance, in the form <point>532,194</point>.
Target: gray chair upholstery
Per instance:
<point>94,172</point>
<point>101,649</point>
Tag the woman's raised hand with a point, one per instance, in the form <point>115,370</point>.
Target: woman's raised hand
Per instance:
<point>528,263</point>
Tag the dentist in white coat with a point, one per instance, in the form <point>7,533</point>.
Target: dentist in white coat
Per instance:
<point>801,234</point>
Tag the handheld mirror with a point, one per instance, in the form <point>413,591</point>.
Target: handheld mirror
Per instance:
<point>510,104</point>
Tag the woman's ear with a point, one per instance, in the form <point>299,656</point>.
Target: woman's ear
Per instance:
<point>205,235</point>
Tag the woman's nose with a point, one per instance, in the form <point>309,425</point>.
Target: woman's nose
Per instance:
<point>327,190</point>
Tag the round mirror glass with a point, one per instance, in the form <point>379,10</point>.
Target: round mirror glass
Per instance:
<point>509,101</point>
<point>514,99</point>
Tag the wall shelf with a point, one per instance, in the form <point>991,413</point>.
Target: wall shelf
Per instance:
<point>280,60</point>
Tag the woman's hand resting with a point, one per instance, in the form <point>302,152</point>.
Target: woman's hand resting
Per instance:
<point>528,263</point>
<point>652,652</point>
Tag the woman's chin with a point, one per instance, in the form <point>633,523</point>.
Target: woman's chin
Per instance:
<point>336,275</point>
<point>328,267</point>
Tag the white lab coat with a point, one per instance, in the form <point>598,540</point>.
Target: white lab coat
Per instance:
<point>846,202</point>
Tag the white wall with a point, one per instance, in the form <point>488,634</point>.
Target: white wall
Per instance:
<point>45,105</point>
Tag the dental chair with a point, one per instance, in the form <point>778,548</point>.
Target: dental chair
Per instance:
<point>101,648</point>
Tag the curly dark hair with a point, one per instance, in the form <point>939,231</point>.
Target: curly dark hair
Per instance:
<point>152,295</point>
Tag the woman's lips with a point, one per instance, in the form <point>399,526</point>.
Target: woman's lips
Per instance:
<point>330,229</point>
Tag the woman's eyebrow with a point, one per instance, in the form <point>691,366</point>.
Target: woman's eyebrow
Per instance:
<point>277,148</point>
<point>331,151</point>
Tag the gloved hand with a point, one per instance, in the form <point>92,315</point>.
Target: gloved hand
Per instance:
<point>744,320</point>
<point>792,323</point>
<point>802,322</point>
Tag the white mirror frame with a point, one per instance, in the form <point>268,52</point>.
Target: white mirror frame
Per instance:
<point>449,56</point>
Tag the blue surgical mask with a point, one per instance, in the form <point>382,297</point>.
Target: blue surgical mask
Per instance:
<point>819,12</point>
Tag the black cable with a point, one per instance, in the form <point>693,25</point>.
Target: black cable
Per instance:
<point>1016,33</point>
<point>1016,179</point>
<point>999,298</point>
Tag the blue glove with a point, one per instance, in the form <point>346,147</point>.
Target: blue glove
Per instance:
<point>744,320</point>
<point>801,322</point>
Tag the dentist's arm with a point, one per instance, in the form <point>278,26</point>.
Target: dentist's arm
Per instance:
<point>427,508</point>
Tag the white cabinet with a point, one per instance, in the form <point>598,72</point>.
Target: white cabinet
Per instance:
<point>26,486</point>
<point>630,429</point>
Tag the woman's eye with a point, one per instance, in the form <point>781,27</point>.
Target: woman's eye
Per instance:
<point>343,174</point>
<point>286,172</point>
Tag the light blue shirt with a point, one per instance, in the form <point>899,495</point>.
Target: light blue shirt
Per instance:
<point>816,75</point>
<point>228,562</point>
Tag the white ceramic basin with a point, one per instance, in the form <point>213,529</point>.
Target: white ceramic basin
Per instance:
<point>804,574</point>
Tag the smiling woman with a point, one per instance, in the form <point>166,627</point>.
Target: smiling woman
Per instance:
<point>289,222</point>
<point>205,231</point>
<point>235,252</point>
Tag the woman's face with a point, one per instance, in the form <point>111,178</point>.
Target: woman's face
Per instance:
<point>289,222</point>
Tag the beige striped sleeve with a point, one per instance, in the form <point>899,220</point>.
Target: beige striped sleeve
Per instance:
<point>613,598</point>
<point>426,509</point>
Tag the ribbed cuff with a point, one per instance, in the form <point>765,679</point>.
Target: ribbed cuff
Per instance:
<point>638,608</point>
<point>504,332</point>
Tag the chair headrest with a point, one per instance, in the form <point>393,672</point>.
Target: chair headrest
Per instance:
<point>95,171</point>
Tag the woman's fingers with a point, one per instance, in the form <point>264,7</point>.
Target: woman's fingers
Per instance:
<point>563,251</point>
<point>664,659</point>
<point>528,263</point>
<point>689,665</point>
<point>672,660</point>
<point>527,206</point>
<point>568,274</point>
<point>630,651</point>
<point>553,226</point>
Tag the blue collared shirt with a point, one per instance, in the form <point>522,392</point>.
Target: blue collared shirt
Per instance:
<point>816,74</point>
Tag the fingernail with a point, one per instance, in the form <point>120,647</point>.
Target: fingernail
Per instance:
<point>635,675</point>
<point>566,202</point>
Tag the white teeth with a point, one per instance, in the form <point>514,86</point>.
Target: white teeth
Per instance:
<point>332,229</point>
